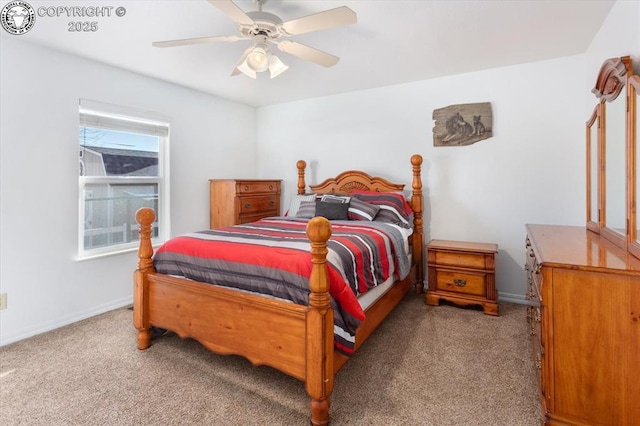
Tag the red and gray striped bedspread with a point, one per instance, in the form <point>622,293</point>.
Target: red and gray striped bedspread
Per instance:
<point>272,257</point>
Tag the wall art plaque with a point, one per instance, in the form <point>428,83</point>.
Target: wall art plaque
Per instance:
<point>464,124</point>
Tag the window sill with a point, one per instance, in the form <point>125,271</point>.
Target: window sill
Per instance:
<point>112,253</point>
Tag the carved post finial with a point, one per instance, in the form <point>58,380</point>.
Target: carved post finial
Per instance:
<point>301,165</point>
<point>145,218</point>
<point>319,232</point>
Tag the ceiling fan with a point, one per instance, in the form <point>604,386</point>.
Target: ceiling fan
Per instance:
<point>266,29</point>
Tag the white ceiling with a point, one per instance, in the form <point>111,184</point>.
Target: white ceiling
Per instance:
<point>394,41</point>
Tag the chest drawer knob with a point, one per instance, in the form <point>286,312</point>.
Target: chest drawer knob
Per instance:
<point>270,187</point>
<point>271,203</point>
<point>247,205</point>
<point>460,282</point>
<point>246,187</point>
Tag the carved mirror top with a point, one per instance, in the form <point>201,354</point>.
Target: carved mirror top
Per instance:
<point>611,78</point>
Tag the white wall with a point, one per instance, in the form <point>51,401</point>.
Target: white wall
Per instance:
<point>530,171</point>
<point>46,287</point>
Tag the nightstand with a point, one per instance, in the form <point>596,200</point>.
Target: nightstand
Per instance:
<point>462,273</point>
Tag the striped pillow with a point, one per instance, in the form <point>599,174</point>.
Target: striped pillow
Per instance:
<point>393,207</point>
<point>296,199</point>
<point>359,210</point>
<point>307,209</point>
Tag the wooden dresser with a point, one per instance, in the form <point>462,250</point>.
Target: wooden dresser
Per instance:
<point>235,201</point>
<point>462,273</point>
<point>585,325</point>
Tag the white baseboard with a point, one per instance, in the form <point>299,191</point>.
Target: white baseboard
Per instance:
<point>513,298</point>
<point>78,316</point>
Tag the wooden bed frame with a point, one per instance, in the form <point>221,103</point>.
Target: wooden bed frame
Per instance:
<point>292,338</point>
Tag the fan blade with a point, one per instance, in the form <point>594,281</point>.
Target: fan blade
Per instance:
<point>230,9</point>
<point>197,40</point>
<point>319,21</point>
<point>309,53</point>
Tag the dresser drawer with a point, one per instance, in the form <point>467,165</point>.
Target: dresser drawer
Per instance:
<point>459,259</point>
<point>257,187</point>
<point>461,282</point>
<point>255,204</point>
<point>254,217</point>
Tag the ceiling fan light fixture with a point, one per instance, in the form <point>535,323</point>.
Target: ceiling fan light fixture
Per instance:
<point>258,59</point>
<point>246,69</point>
<point>276,66</point>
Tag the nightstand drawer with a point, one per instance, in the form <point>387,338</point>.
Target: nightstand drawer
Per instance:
<point>461,282</point>
<point>257,187</point>
<point>257,204</point>
<point>459,259</point>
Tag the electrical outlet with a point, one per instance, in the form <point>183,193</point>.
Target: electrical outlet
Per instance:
<point>3,301</point>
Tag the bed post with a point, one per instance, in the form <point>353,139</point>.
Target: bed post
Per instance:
<point>418,235</point>
<point>319,346</point>
<point>301,165</point>
<point>145,218</point>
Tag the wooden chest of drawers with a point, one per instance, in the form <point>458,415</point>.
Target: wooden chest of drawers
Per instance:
<point>462,273</point>
<point>235,201</point>
<point>584,320</point>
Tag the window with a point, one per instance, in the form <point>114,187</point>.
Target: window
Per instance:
<point>122,167</point>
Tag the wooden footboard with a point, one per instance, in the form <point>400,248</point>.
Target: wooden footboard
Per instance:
<point>295,339</point>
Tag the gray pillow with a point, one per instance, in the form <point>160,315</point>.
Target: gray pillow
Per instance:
<point>332,210</point>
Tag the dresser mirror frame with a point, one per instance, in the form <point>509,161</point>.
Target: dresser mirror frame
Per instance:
<point>615,199</point>
<point>633,90</point>
<point>594,171</point>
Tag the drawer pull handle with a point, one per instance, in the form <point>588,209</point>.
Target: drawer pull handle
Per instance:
<point>247,205</point>
<point>460,282</point>
<point>271,203</point>
<point>270,187</point>
<point>246,187</point>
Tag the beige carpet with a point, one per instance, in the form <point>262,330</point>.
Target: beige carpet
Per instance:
<point>424,366</point>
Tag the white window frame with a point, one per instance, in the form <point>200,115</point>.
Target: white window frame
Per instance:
<point>114,117</point>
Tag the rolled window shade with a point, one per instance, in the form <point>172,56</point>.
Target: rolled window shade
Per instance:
<point>114,117</point>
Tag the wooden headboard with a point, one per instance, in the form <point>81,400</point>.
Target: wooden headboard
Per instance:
<point>351,180</point>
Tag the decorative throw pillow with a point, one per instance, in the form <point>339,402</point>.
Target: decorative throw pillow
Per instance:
<point>393,207</point>
<point>332,198</point>
<point>296,199</point>
<point>332,210</point>
<point>307,209</point>
<point>359,210</point>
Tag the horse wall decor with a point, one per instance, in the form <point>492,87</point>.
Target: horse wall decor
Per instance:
<point>464,124</point>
